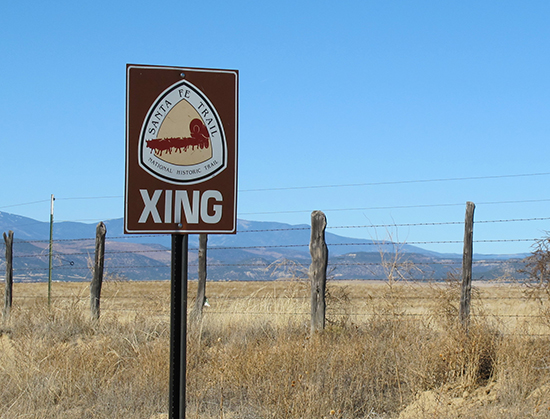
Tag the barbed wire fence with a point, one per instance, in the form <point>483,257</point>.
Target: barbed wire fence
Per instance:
<point>126,259</point>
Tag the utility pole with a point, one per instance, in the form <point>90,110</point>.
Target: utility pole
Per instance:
<point>50,253</point>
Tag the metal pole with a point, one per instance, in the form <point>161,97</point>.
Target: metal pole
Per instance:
<point>183,337</point>
<point>178,326</point>
<point>50,253</point>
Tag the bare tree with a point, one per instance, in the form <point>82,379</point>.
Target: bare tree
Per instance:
<point>537,266</point>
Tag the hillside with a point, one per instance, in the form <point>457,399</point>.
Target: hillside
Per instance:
<point>259,251</point>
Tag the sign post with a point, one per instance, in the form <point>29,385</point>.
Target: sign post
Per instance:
<point>178,326</point>
<point>181,174</point>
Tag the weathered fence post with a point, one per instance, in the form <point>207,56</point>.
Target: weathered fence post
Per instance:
<point>318,270</point>
<point>97,279</point>
<point>9,274</point>
<point>466,291</point>
<point>196,315</point>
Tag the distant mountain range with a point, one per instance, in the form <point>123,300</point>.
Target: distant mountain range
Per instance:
<point>259,251</point>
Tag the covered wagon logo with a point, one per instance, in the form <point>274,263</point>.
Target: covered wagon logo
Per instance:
<point>182,139</point>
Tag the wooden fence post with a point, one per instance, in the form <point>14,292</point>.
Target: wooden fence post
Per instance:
<point>466,291</point>
<point>9,274</point>
<point>97,279</point>
<point>318,270</point>
<point>196,315</point>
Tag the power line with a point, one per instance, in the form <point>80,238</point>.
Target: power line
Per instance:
<point>89,197</point>
<point>396,182</point>
<point>398,207</point>
<point>351,209</point>
<point>62,199</point>
<point>25,203</point>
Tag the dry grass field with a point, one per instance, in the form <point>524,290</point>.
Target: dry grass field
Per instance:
<point>390,350</point>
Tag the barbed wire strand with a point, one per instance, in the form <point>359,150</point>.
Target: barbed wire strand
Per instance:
<point>373,243</point>
<point>130,237</point>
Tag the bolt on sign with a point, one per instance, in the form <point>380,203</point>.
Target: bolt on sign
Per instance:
<point>181,150</point>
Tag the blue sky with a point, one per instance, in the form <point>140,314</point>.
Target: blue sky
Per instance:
<point>331,93</point>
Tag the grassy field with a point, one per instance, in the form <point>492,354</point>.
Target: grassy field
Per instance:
<point>390,350</point>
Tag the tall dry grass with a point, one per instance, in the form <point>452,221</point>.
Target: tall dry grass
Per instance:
<point>57,363</point>
<point>252,356</point>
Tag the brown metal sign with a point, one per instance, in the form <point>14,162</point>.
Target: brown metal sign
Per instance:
<point>181,150</point>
